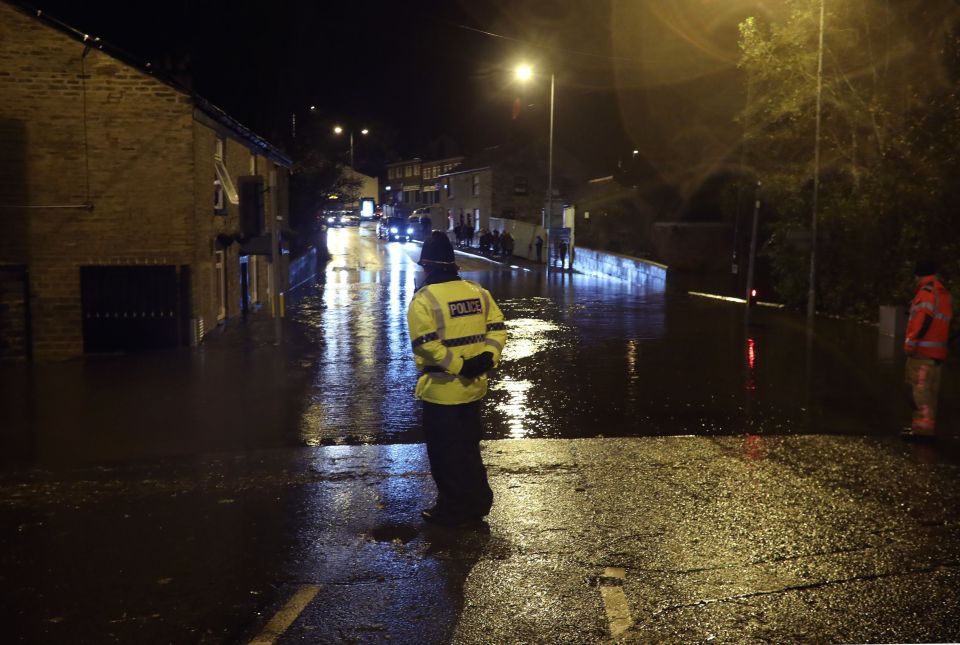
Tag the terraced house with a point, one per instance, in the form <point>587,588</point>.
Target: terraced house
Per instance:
<point>136,214</point>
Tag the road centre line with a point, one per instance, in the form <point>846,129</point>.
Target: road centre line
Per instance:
<point>615,601</point>
<point>287,614</point>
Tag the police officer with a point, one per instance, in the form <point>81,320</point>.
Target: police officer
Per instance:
<point>457,332</point>
<point>926,347</point>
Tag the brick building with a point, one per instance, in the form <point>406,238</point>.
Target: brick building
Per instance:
<point>416,183</point>
<point>508,182</point>
<point>136,214</point>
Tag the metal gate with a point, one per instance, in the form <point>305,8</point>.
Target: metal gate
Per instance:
<point>14,313</point>
<point>129,308</point>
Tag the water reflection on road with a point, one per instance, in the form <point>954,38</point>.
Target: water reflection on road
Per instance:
<point>586,357</point>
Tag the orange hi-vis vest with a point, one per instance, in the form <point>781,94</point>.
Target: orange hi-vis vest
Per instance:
<point>932,300</point>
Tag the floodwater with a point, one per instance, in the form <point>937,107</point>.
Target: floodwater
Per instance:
<point>586,357</point>
<point>591,357</point>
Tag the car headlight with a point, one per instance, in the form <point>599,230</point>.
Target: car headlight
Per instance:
<point>394,230</point>
<point>331,220</point>
<point>409,229</point>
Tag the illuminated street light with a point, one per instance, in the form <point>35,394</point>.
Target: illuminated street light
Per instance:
<point>339,130</point>
<point>525,73</point>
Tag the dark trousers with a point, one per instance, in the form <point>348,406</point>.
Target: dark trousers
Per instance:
<point>453,446</point>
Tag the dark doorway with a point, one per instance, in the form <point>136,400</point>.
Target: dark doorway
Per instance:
<point>244,285</point>
<point>128,308</point>
<point>14,314</point>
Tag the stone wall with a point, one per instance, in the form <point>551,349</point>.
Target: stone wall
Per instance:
<point>622,267</point>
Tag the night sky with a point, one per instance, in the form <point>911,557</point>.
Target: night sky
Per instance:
<point>415,72</point>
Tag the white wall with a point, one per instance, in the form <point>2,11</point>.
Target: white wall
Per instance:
<point>523,235</point>
<point>622,267</point>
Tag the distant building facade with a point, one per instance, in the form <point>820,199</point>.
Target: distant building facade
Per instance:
<point>137,214</point>
<point>416,183</point>
<point>503,182</point>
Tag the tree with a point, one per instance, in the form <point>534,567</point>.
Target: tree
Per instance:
<point>314,178</point>
<point>888,143</point>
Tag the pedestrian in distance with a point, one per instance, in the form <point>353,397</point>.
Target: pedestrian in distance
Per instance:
<point>495,242</point>
<point>562,250</point>
<point>506,241</point>
<point>539,246</point>
<point>457,333</point>
<point>928,331</point>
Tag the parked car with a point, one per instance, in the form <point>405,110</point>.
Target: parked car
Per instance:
<point>395,229</point>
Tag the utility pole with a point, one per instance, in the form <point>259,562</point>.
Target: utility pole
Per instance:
<point>812,294</point>
<point>550,169</point>
<point>753,252</point>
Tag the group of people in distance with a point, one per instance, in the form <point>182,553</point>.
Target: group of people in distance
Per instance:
<point>496,243</point>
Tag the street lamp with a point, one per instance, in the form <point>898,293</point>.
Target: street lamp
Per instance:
<point>525,73</point>
<point>339,130</point>
<point>293,121</point>
<point>811,295</point>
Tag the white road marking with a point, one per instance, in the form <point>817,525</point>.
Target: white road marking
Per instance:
<point>615,602</point>
<point>285,617</point>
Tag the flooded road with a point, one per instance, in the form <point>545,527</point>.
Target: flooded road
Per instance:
<point>586,357</point>
<point>208,495</point>
<point>590,357</point>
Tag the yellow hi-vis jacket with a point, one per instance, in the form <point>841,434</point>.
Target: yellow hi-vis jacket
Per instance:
<point>451,321</point>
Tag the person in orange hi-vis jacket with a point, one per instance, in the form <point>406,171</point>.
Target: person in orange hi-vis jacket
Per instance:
<point>928,331</point>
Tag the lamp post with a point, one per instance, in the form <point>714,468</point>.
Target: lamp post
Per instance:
<point>339,130</point>
<point>811,294</point>
<point>525,73</point>
<point>293,121</point>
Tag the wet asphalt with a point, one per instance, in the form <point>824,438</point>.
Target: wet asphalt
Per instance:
<point>662,474</point>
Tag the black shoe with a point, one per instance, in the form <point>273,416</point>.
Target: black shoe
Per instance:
<point>908,434</point>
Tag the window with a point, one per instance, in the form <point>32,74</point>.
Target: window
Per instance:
<point>223,189</point>
<point>476,185</point>
<point>408,171</point>
<point>221,285</point>
<point>219,201</point>
<point>416,169</point>
<point>253,164</point>
<point>224,183</point>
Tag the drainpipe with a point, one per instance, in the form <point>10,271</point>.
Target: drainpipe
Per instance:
<point>275,259</point>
